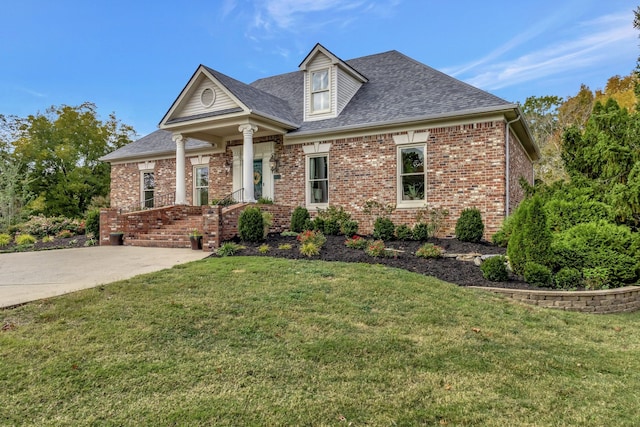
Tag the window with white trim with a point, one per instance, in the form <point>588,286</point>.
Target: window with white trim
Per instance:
<point>201,185</point>
<point>320,96</point>
<point>318,179</point>
<point>148,185</point>
<point>411,175</point>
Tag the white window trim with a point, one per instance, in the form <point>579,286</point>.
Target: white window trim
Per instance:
<point>405,204</point>
<point>142,190</point>
<point>316,150</point>
<point>193,179</point>
<point>313,111</point>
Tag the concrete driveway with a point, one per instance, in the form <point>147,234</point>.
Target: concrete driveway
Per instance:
<point>30,276</point>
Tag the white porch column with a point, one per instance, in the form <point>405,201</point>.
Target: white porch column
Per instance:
<point>181,182</point>
<point>247,161</point>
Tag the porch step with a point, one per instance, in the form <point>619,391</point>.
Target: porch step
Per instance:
<point>173,235</point>
<point>146,243</point>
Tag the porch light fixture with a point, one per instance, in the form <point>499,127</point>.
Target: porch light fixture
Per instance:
<point>227,166</point>
<point>273,163</point>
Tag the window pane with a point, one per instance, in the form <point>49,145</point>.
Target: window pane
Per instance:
<point>149,182</point>
<point>319,191</point>
<point>203,196</point>
<point>413,187</point>
<point>412,160</point>
<point>320,80</point>
<point>148,199</point>
<point>320,101</point>
<point>202,177</point>
<point>318,168</point>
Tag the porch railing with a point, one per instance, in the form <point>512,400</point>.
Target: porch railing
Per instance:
<point>232,198</point>
<point>157,201</point>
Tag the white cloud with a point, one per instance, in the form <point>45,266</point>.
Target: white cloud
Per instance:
<point>598,41</point>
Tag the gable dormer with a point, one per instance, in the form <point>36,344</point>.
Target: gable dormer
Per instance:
<point>329,84</point>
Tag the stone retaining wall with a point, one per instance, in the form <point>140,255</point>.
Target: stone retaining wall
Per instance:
<point>617,300</point>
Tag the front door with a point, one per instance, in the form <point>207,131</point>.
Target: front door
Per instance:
<point>257,179</point>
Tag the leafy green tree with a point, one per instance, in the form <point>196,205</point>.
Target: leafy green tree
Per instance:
<point>14,193</point>
<point>61,148</point>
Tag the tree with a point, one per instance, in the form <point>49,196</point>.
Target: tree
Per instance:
<point>61,148</point>
<point>14,194</point>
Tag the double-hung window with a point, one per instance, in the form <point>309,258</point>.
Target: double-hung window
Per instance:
<point>201,185</point>
<point>320,98</point>
<point>411,175</point>
<point>318,179</point>
<point>148,189</point>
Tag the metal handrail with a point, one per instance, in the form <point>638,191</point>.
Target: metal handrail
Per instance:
<point>157,201</point>
<point>232,198</point>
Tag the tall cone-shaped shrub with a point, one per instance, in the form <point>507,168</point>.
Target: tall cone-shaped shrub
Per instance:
<point>531,238</point>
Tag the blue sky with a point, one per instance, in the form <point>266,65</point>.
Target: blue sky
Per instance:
<point>134,57</point>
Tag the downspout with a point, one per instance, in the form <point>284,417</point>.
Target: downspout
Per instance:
<point>508,177</point>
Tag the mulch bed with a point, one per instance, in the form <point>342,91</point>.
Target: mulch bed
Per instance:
<point>463,273</point>
<point>57,243</point>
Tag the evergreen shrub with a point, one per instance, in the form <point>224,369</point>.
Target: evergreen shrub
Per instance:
<point>251,225</point>
<point>383,229</point>
<point>299,217</point>
<point>537,274</point>
<point>469,227</point>
<point>494,269</point>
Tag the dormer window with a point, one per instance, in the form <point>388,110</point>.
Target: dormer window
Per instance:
<point>320,98</point>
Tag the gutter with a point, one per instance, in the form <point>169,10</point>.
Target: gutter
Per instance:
<point>507,164</point>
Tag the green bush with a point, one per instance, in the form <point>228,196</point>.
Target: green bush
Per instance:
<point>531,238</point>
<point>376,249</point>
<point>309,249</point>
<point>40,226</point>
<point>25,239</point>
<point>568,278</point>
<point>599,245</point>
<point>429,250</point>
<point>383,229</point>
<point>331,227</point>
<point>421,232</point>
<point>5,239</point>
<point>316,237</point>
<point>317,224</point>
<point>563,214</point>
<point>92,223</point>
<point>597,278</point>
<point>494,269</point>
<point>349,227</point>
<point>298,219</point>
<point>356,242</point>
<point>469,227</point>
<point>501,237</point>
<point>251,225</point>
<point>265,201</point>
<point>403,232</point>
<point>228,249</point>
<point>537,274</point>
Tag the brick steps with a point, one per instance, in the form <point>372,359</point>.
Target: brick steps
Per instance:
<point>174,235</point>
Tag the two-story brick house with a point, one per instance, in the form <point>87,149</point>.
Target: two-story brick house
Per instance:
<point>336,133</point>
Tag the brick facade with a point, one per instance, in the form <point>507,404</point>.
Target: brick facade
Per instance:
<point>465,167</point>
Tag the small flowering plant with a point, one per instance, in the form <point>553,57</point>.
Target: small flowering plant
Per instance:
<point>312,236</point>
<point>376,249</point>
<point>356,242</point>
<point>429,250</point>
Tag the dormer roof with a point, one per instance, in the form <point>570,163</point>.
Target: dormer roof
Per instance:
<point>319,49</point>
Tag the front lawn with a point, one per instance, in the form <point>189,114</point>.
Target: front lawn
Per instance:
<point>265,341</point>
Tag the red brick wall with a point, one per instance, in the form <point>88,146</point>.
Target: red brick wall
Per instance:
<point>465,168</point>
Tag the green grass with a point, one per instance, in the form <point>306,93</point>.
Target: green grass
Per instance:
<point>262,341</point>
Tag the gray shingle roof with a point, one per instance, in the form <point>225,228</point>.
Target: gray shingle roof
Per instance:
<point>399,89</point>
<point>155,144</point>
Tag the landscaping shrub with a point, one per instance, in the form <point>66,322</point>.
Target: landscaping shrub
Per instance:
<point>349,227</point>
<point>376,249</point>
<point>40,226</point>
<point>599,245</point>
<point>597,278</point>
<point>383,229</point>
<point>356,242</point>
<point>563,214</point>
<point>331,227</point>
<point>421,232</point>
<point>228,249</point>
<point>65,234</point>
<point>501,237</point>
<point>317,224</point>
<point>251,225</point>
<point>315,237</point>
<point>285,247</point>
<point>25,239</point>
<point>265,201</point>
<point>267,222</point>
<point>469,227</point>
<point>5,239</point>
<point>494,269</point>
<point>298,219</point>
<point>403,232</point>
<point>568,278</point>
<point>537,274</point>
<point>264,248</point>
<point>92,223</point>
<point>309,249</point>
<point>429,250</point>
<point>531,238</point>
